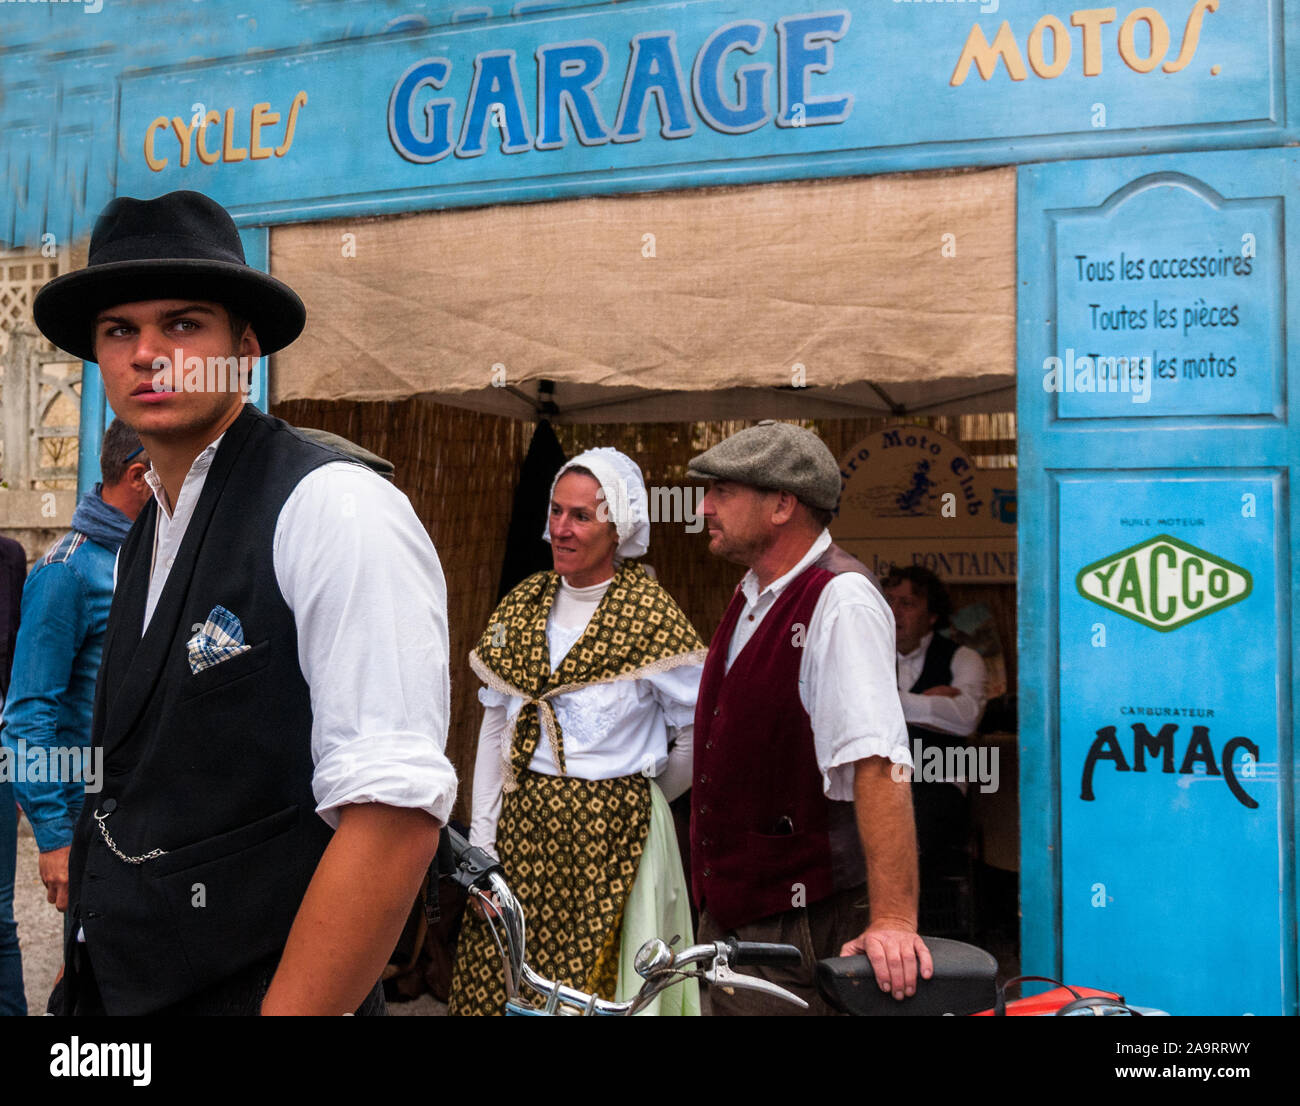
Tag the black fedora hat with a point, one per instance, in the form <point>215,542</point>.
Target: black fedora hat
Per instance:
<point>183,245</point>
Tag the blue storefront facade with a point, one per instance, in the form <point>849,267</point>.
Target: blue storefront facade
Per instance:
<point>1156,250</point>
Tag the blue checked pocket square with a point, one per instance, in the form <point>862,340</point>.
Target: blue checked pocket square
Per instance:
<point>221,638</point>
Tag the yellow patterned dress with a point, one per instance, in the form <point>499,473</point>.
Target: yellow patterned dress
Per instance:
<point>570,847</point>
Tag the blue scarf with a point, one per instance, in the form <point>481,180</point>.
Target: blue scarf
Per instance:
<point>101,522</point>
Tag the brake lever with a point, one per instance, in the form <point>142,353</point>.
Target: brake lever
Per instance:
<point>721,975</point>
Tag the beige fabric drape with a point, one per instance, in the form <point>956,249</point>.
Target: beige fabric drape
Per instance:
<point>856,280</point>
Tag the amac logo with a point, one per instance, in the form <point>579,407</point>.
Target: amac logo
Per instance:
<point>1163,583</point>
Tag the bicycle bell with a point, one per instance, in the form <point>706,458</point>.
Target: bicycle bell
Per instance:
<point>653,956</point>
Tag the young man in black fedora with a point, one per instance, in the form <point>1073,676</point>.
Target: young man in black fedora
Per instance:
<point>273,700</point>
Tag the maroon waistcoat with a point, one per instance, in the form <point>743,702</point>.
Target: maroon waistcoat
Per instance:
<point>764,837</point>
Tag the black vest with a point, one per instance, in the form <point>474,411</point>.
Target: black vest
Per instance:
<point>935,672</point>
<point>215,768</point>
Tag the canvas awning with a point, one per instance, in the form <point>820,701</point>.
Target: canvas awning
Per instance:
<point>824,299</point>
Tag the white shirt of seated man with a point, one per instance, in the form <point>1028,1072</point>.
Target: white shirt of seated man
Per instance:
<point>954,708</point>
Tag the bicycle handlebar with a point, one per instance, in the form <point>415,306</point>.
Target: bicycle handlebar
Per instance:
<point>462,862</point>
<point>760,952</point>
<point>483,878</point>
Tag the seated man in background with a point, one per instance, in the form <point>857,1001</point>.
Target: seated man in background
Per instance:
<point>942,688</point>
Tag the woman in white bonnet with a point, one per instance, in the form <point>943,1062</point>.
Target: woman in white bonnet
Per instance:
<point>591,672</point>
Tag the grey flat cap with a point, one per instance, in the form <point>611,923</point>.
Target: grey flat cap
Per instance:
<point>774,455</point>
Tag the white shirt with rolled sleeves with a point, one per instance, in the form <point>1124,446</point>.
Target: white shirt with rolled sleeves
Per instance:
<point>369,600</point>
<point>954,714</point>
<point>846,673</point>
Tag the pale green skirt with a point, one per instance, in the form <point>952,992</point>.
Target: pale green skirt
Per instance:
<point>658,905</point>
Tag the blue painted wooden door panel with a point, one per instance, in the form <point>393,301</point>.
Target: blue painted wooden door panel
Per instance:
<point>1157,455</point>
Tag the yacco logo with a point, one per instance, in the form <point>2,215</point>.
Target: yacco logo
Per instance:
<point>1163,583</point>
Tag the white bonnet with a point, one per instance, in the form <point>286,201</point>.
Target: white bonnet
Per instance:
<point>623,489</point>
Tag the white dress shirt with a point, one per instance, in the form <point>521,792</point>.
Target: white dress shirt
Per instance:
<point>958,714</point>
<point>609,730</point>
<point>359,573</point>
<point>846,673</point>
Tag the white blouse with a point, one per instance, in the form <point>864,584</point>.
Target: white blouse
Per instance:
<point>609,730</point>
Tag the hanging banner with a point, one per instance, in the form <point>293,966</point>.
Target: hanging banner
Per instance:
<point>914,497</point>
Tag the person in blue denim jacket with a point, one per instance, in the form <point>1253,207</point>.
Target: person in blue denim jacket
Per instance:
<point>56,657</point>
<point>13,567</point>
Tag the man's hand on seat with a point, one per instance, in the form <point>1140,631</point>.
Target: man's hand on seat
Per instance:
<point>896,953</point>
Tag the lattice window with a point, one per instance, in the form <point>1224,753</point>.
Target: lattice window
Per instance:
<point>21,277</point>
<point>46,432</point>
<point>57,418</point>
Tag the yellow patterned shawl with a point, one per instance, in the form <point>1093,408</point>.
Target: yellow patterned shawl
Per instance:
<point>637,629</point>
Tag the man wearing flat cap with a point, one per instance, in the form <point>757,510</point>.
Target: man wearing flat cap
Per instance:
<point>273,698</point>
<point>798,728</point>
